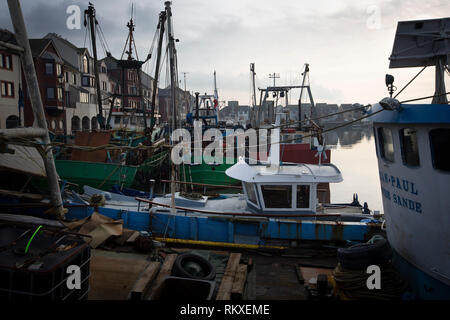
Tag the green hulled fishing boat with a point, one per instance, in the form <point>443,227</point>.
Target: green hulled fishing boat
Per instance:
<point>208,172</point>
<point>96,174</point>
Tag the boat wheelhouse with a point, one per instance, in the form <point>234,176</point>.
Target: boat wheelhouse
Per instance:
<point>292,188</point>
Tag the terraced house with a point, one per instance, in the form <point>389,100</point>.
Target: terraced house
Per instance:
<point>10,81</point>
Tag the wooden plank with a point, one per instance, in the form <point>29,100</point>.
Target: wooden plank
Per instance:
<point>226,285</point>
<point>239,282</point>
<point>144,281</point>
<point>165,271</point>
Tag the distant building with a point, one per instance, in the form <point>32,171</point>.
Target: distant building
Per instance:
<point>49,68</point>
<point>183,101</point>
<point>80,96</point>
<point>10,81</point>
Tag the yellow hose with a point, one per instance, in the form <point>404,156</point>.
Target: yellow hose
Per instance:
<point>217,244</point>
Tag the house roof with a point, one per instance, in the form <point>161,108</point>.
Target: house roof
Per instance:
<point>8,37</point>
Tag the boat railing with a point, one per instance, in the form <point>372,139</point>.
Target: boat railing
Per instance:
<point>204,185</point>
<point>241,214</point>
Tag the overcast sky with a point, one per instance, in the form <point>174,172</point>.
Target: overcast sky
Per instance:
<point>347,43</point>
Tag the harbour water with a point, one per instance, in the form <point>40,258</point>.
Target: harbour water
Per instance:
<point>353,152</point>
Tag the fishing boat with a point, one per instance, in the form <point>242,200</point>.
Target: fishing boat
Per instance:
<point>299,144</point>
<point>412,143</point>
<point>279,204</point>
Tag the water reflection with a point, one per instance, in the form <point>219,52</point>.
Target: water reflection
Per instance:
<point>347,136</point>
<point>353,152</point>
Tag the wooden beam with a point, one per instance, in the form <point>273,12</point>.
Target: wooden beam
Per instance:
<point>226,285</point>
<point>144,281</point>
<point>239,282</point>
<point>166,270</point>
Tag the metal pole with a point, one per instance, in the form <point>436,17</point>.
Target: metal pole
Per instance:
<point>36,102</point>
<point>92,22</point>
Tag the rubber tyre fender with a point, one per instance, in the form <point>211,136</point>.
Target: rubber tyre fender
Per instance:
<point>179,269</point>
<point>364,254</point>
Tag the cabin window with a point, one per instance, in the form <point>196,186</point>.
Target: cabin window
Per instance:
<point>386,144</point>
<point>376,142</point>
<point>302,196</point>
<point>440,152</point>
<point>409,146</point>
<point>277,196</point>
<point>251,193</point>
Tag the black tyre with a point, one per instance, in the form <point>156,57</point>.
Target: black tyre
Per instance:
<point>362,255</point>
<point>189,265</point>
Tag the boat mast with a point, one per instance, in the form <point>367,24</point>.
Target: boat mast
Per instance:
<point>172,62</point>
<point>216,97</point>
<point>90,12</point>
<point>161,24</point>
<point>173,87</point>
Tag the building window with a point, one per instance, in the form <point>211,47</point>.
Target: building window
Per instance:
<point>68,99</point>
<point>251,192</point>
<point>440,152</point>
<point>84,97</point>
<point>58,69</point>
<point>85,64</point>
<point>103,69</point>
<point>277,196</point>
<point>104,85</point>
<point>302,196</point>
<point>60,94</point>
<point>117,120</point>
<point>7,89</point>
<point>66,76</point>
<point>74,78</point>
<point>85,81</point>
<point>409,146</point>
<point>12,122</point>
<point>50,93</point>
<point>386,144</point>
<point>48,68</point>
<point>6,61</point>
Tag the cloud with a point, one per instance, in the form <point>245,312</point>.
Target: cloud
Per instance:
<point>347,51</point>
